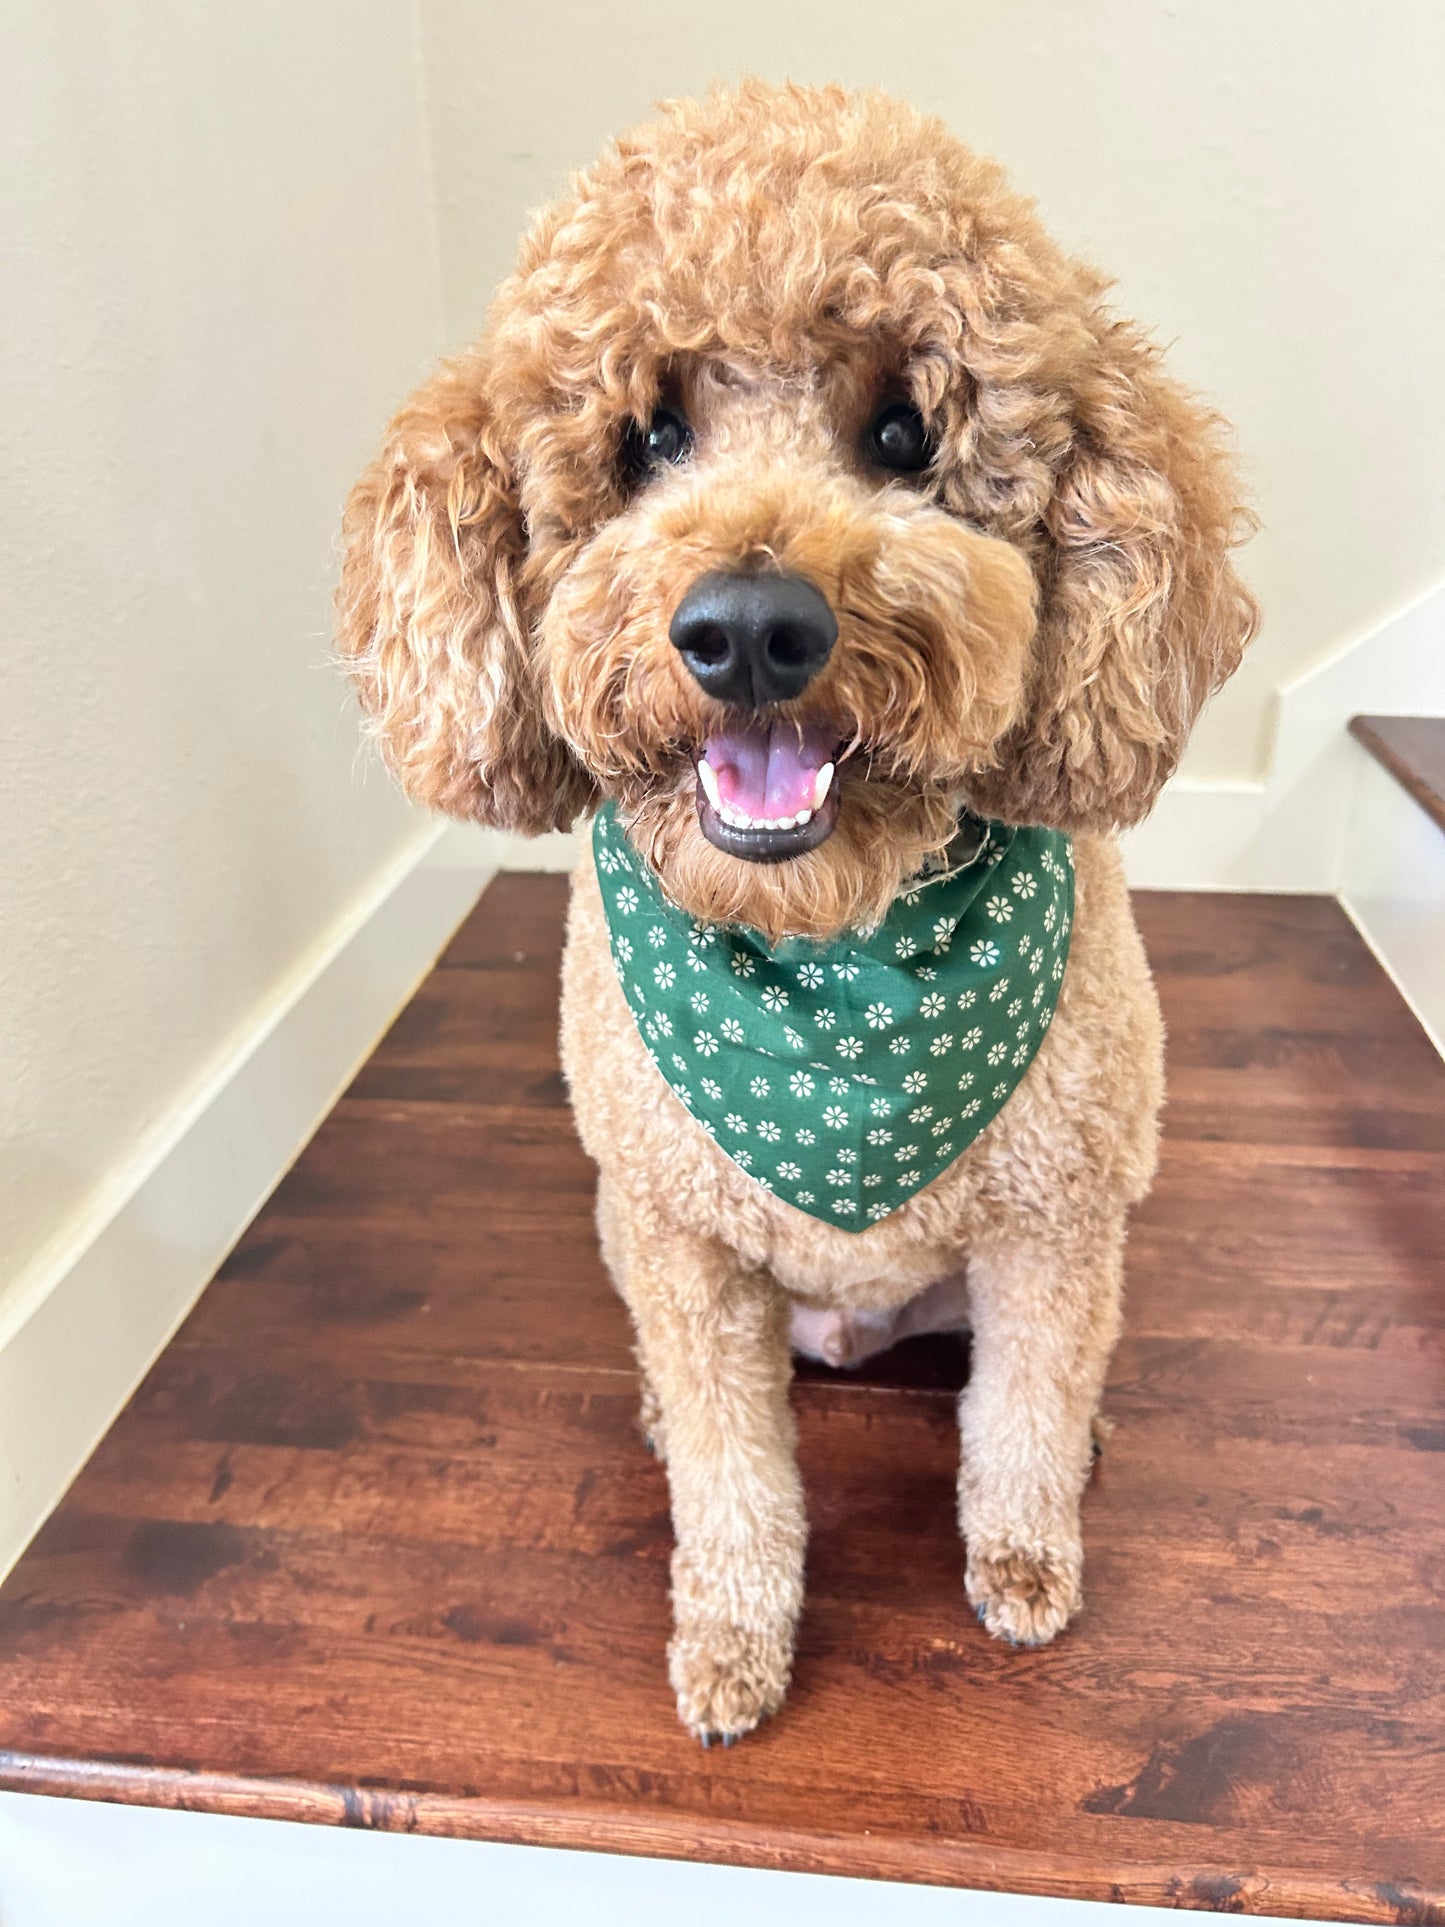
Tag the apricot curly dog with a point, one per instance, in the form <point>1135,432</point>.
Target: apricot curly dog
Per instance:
<point>809,516</point>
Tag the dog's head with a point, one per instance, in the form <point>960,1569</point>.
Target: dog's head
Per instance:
<point>799,492</point>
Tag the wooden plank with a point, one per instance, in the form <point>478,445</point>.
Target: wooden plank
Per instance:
<point>1412,749</point>
<point>377,1543</point>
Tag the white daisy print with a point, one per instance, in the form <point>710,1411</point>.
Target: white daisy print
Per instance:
<point>905,947</point>
<point>899,1046</point>
<point>932,1006</point>
<point>847,1157</point>
<point>836,1178</point>
<point>744,1158</point>
<point>806,1197</point>
<point>760,1087</point>
<point>985,953</point>
<point>678,1064</point>
<point>878,1106</point>
<point>1000,989</point>
<point>845,1207</point>
<point>1016,1006</point>
<point>971,1039</point>
<point>791,1172</point>
<point>968,999</point>
<point>806,1137</point>
<point>872,1179</point>
<point>920,1114</point>
<point>743,964</point>
<point>705,1044</point>
<point>941,1126</point>
<point>794,1041</point>
<point>736,1123</point>
<point>905,1152</point>
<point>664,976</point>
<point>848,1047</point>
<point>709,1086</point>
<point>664,1023</point>
<point>877,1211</point>
<point>943,931</point>
<point>825,1019</point>
<point>626,900</point>
<point>800,1084</point>
<point>699,1001</point>
<point>965,1080</point>
<point>657,936</point>
<point>941,1044</point>
<point>810,976</point>
<point>972,1108</point>
<point>1025,884</point>
<point>997,1053</point>
<point>775,998</point>
<point>1000,1092</point>
<point>768,1131</point>
<point>878,1016</point>
<point>623,948</point>
<point>880,1137</point>
<point>835,1117</point>
<point>839,1086</point>
<point>911,1177</point>
<point>914,1083</point>
<point>925,973</point>
<point>845,972</point>
<point>731,1029</point>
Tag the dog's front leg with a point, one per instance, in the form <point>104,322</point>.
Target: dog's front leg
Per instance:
<point>1045,1311</point>
<point>713,1341</point>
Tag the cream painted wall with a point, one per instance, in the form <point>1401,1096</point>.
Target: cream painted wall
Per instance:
<point>1265,180</point>
<point>220,273</point>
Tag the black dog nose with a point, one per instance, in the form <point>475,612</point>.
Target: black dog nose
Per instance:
<point>754,639</point>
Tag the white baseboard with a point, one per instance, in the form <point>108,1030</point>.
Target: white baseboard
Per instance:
<point>63,1862</point>
<point>85,1324</point>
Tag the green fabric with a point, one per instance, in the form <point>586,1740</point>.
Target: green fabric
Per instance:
<point>845,1076</point>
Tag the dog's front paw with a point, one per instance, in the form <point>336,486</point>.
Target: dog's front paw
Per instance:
<point>1024,1594</point>
<point>727,1678</point>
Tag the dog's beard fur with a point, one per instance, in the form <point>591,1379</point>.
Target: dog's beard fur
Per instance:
<point>927,675</point>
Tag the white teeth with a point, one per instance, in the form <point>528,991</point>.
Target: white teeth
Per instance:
<point>707,776</point>
<point>822,783</point>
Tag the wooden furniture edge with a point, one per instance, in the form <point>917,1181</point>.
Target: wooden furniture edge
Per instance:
<point>1277,1892</point>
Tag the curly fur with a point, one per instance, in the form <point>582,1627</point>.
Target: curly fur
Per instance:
<point>1032,625</point>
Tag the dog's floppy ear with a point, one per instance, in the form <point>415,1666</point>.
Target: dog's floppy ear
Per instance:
<point>1142,615</point>
<point>430,616</point>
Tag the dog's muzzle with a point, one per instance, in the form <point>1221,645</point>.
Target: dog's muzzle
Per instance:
<point>767,789</point>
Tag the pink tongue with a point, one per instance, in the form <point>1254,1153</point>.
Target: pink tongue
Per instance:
<point>769,769</point>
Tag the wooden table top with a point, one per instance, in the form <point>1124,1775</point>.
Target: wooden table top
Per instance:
<point>377,1542</point>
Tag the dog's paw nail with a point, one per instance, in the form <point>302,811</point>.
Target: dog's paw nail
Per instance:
<point>729,1739</point>
<point>704,1740</point>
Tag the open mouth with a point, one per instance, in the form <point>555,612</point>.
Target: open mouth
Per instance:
<point>768,791</point>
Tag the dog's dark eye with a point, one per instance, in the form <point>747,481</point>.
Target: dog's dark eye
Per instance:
<point>899,439</point>
<point>665,439</point>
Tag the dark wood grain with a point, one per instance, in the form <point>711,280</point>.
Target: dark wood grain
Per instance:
<point>377,1544</point>
<point>1412,749</point>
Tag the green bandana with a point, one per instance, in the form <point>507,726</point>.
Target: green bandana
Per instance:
<point>845,1076</point>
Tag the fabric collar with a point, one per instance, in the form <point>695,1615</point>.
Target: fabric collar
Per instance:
<point>845,1076</point>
